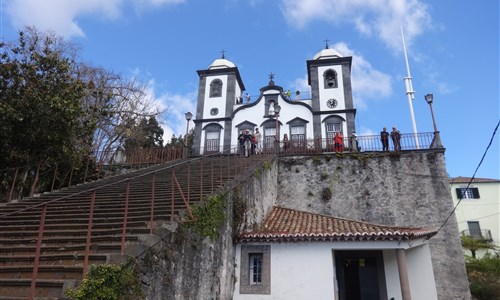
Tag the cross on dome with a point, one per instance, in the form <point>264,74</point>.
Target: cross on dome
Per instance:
<point>326,43</point>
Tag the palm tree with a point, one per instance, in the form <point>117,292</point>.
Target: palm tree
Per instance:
<point>473,244</point>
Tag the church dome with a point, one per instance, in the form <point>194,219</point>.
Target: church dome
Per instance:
<point>327,53</point>
<point>221,63</point>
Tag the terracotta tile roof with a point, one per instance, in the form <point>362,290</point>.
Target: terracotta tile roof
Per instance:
<point>461,179</point>
<point>285,225</point>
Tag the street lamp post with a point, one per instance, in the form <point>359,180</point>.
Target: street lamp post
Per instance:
<point>436,142</point>
<point>277,109</point>
<point>189,116</point>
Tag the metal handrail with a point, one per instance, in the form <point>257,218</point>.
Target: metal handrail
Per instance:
<point>103,168</point>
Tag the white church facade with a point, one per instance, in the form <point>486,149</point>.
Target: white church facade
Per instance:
<point>223,111</point>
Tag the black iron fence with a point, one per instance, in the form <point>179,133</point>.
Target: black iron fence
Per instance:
<point>368,143</point>
<point>479,234</point>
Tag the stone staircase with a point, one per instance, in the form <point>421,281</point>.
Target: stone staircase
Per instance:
<point>64,256</point>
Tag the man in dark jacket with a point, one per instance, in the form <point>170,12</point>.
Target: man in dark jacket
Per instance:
<point>384,138</point>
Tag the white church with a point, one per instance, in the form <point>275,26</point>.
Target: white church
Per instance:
<point>223,110</point>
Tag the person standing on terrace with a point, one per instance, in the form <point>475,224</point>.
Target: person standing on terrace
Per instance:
<point>396,139</point>
<point>338,142</point>
<point>384,138</point>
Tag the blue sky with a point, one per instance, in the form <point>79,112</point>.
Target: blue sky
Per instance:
<point>453,50</point>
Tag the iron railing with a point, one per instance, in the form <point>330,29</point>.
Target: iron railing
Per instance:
<point>28,180</point>
<point>479,234</point>
<point>368,143</point>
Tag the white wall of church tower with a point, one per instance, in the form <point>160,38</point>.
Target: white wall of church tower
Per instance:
<point>215,102</point>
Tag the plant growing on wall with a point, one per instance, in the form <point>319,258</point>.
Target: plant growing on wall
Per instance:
<point>108,282</point>
<point>210,216</point>
<point>317,160</point>
<point>267,166</point>
<point>326,195</point>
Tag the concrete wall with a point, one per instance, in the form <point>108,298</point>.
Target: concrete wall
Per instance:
<point>405,189</point>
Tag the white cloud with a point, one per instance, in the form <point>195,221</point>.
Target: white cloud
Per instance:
<point>380,18</point>
<point>158,2</point>
<point>60,16</point>
<point>368,83</point>
<point>174,121</point>
<point>173,106</point>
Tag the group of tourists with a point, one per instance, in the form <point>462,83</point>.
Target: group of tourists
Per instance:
<point>395,136</point>
<point>250,143</point>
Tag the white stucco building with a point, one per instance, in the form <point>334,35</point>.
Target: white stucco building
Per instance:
<point>300,255</point>
<point>478,214</point>
<point>223,110</point>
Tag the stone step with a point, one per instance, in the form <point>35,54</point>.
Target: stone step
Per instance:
<point>63,234</point>
<point>59,249</point>
<point>53,259</point>
<point>98,213</point>
<point>21,288</point>
<point>57,272</point>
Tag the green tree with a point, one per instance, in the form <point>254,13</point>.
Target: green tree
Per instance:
<point>145,134</point>
<point>484,276</point>
<point>473,245</point>
<point>40,96</point>
<point>181,140</point>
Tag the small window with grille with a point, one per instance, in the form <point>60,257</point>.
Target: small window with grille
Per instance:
<point>212,141</point>
<point>467,193</point>
<point>255,264</point>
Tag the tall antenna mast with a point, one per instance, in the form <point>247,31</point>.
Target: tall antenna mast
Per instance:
<point>410,93</point>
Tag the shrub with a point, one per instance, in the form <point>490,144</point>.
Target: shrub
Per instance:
<point>108,282</point>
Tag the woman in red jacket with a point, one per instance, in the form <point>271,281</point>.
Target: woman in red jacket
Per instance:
<point>338,142</point>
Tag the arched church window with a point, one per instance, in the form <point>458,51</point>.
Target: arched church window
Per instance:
<point>330,79</point>
<point>212,141</point>
<point>212,138</point>
<point>216,88</point>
